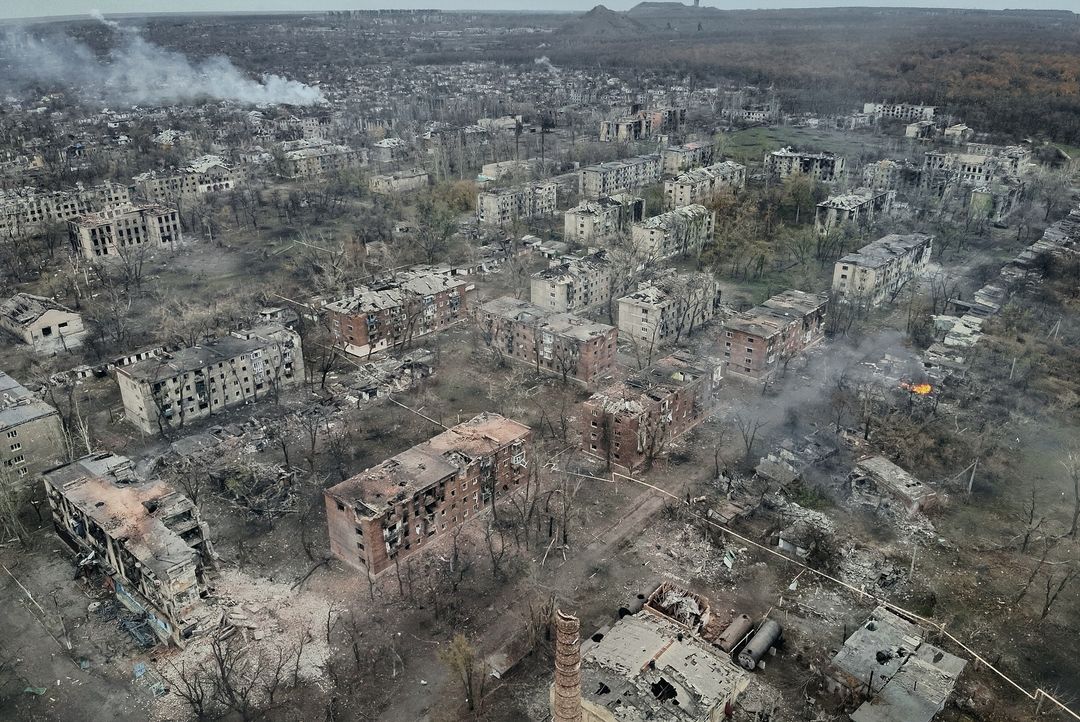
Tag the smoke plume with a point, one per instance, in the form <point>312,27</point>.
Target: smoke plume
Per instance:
<point>137,72</point>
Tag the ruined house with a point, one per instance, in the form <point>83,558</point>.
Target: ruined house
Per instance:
<point>176,388</point>
<point>860,208</point>
<point>758,341</point>
<point>557,343</point>
<point>701,184</point>
<point>395,509</point>
<point>42,323</point>
<point>793,457</point>
<point>145,536</point>
<point>31,434</point>
<point>888,664</point>
<point>878,476</point>
<point>631,423</point>
<point>395,311</point>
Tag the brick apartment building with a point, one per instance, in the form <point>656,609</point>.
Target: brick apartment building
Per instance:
<point>551,342</point>
<point>825,167</point>
<point>758,341</point>
<point>122,229</point>
<point>619,176</point>
<point>176,388</point>
<point>681,158</point>
<point>381,315</point>
<point>146,536</point>
<point>395,509</point>
<point>669,307</point>
<point>632,423</point>
<point>682,231</point>
<point>861,208</point>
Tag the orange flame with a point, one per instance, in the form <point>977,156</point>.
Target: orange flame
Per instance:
<point>920,389</point>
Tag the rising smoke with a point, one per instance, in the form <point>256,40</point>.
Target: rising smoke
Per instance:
<point>137,72</point>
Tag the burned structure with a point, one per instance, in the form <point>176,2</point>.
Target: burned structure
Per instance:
<point>861,208</point>
<point>125,229</point>
<point>173,389</point>
<point>758,341</point>
<point>669,307</point>
<point>701,184</point>
<point>824,167</point>
<point>393,312</point>
<point>602,219</point>
<point>682,231</point>
<point>877,476</point>
<point>145,536</point>
<point>557,343</point>
<point>206,174</point>
<point>631,423</point>
<point>397,508</point>
<point>888,665</point>
<point>576,284</point>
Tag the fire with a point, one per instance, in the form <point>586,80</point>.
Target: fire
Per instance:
<point>920,389</point>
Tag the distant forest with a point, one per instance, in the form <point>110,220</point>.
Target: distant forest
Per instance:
<point>1011,72</point>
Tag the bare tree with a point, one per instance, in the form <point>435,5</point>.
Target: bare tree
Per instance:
<point>1072,469</point>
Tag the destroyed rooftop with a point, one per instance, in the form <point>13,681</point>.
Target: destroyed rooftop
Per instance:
<point>390,293</point>
<point>566,325</point>
<point>777,313</point>
<point>670,219</point>
<point>885,249</point>
<point>92,220</point>
<point>18,405</point>
<point>647,668</point>
<point>168,365</point>
<point>717,170</point>
<point>430,462</point>
<point>649,386</point>
<point>565,270</point>
<point>789,153</point>
<point>25,308</point>
<point>666,287</point>
<point>102,488</point>
<point>910,679</point>
<point>851,201</point>
<point>622,163</point>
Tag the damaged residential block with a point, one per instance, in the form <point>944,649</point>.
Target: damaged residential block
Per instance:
<point>145,536</point>
<point>393,510</point>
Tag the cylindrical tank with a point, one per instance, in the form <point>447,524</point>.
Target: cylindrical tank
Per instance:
<point>734,633</point>
<point>759,644</point>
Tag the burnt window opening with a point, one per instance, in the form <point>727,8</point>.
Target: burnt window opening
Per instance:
<point>664,691</point>
<point>603,689</point>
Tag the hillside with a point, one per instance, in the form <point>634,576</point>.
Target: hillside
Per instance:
<point>600,21</point>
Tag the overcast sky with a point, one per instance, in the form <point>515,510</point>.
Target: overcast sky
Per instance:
<point>37,8</point>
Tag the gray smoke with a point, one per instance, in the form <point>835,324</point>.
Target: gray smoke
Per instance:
<point>546,62</point>
<point>137,72</point>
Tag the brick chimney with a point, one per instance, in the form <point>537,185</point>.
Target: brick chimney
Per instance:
<point>566,701</point>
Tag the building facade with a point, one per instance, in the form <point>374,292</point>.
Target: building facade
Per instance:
<point>402,182</point>
<point>632,423</point>
<point>208,174</point>
<point>145,536</point>
<point>876,272</point>
<point>551,342</point>
<point>682,231</point>
<point>31,434</point>
<point>619,176</point>
<point>317,158</point>
<point>824,167</point>
<point>669,307</point>
<point>181,387</point>
<point>125,229</point>
<point>603,219</point>
<point>681,158</point>
<point>26,211</point>
<point>504,206</point>
<point>381,315</point>
<point>573,285</point>
<point>900,111</point>
<point>394,510</point>
<point>761,340</point>
<point>700,185</point>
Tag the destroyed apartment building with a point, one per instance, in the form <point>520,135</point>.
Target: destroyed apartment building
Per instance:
<point>860,208</point>
<point>758,341</point>
<point>502,207</point>
<point>185,185</point>
<point>681,231</point>
<point>42,323</point>
<point>179,387</point>
<point>678,159</point>
<point>824,167</point>
<point>603,219</point>
<point>393,312</point>
<point>26,211</point>
<point>395,509</point>
<point>575,284</point>
<point>619,176</point>
<point>556,343</point>
<point>631,423</point>
<point>317,158</point>
<point>32,436</point>
<point>700,185</point>
<point>125,229</point>
<point>793,458</point>
<point>889,669</point>
<point>877,272</point>
<point>669,307</point>
<point>145,536</point>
